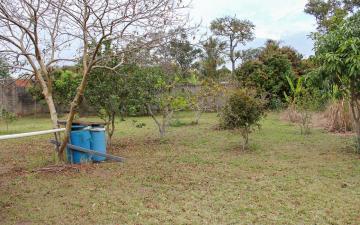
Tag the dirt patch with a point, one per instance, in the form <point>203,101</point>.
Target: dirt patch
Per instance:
<point>132,144</point>
<point>6,170</point>
<point>65,168</point>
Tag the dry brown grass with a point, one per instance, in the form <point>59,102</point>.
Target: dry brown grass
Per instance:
<point>339,117</point>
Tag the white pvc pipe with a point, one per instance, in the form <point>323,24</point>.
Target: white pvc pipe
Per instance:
<point>12,136</point>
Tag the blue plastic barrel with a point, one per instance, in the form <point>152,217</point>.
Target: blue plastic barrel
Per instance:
<point>79,137</point>
<point>98,142</point>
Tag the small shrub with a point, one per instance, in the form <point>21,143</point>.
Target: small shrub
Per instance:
<point>177,123</point>
<point>7,117</point>
<point>243,112</point>
<point>138,124</point>
<point>306,104</point>
<point>276,104</point>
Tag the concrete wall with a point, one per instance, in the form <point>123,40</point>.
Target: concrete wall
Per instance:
<point>14,98</point>
<point>211,105</point>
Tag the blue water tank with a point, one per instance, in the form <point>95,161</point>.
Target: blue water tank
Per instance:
<point>81,137</point>
<point>98,142</point>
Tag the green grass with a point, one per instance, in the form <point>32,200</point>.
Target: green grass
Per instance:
<point>197,175</point>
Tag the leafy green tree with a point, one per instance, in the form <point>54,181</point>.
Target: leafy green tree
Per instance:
<point>184,53</point>
<point>7,117</point>
<point>272,47</point>
<point>65,83</point>
<point>243,112</point>
<point>338,54</point>
<point>105,93</point>
<point>330,13</point>
<point>268,76</point>
<point>212,58</point>
<point>236,31</point>
<point>268,70</point>
<point>151,89</point>
<point>250,54</point>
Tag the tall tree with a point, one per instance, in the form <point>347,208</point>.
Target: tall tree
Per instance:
<point>183,52</point>
<point>236,31</point>
<point>338,53</point>
<point>212,57</point>
<point>106,92</point>
<point>36,32</point>
<point>30,38</point>
<point>268,71</point>
<point>329,13</point>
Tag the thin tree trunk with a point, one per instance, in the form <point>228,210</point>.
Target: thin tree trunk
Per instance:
<point>111,129</point>
<point>355,109</point>
<point>73,108</point>
<point>198,114</point>
<point>232,56</point>
<point>161,130</point>
<point>87,65</point>
<point>246,140</point>
<point>52,109</point>
<point>245,134</point>
<point>233,68</point>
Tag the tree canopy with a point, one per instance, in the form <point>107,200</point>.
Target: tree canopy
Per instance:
<point>212,57</point>
<point>236,32</point>
<point>329,13</point>
<point>266,69</point>
<point>338,53</point>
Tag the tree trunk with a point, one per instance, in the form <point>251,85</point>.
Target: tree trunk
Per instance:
<point>355,109</point>
<point>245,135</point>
<point>162,131</point>
<point>52,109</point>
<point>47,92</point>
<point>232,56</point>
<point>233,67</point>
<point>46,87</point>
<point>160,126</point>
<point>111,129</point>
<point>73,109</point>
<point>198,114</point>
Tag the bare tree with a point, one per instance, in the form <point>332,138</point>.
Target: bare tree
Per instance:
<point>30,38</point>
<point>41,29</point>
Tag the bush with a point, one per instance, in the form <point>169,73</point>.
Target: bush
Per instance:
<point>243,111</point>
<point>7,117</point>
<point>306,104</point>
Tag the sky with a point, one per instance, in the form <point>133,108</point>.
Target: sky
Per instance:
<point>282,20</point>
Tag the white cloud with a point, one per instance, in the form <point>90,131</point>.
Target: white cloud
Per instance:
<point>276,19</point>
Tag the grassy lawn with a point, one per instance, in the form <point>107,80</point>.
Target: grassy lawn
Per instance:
<point>197,175</point>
